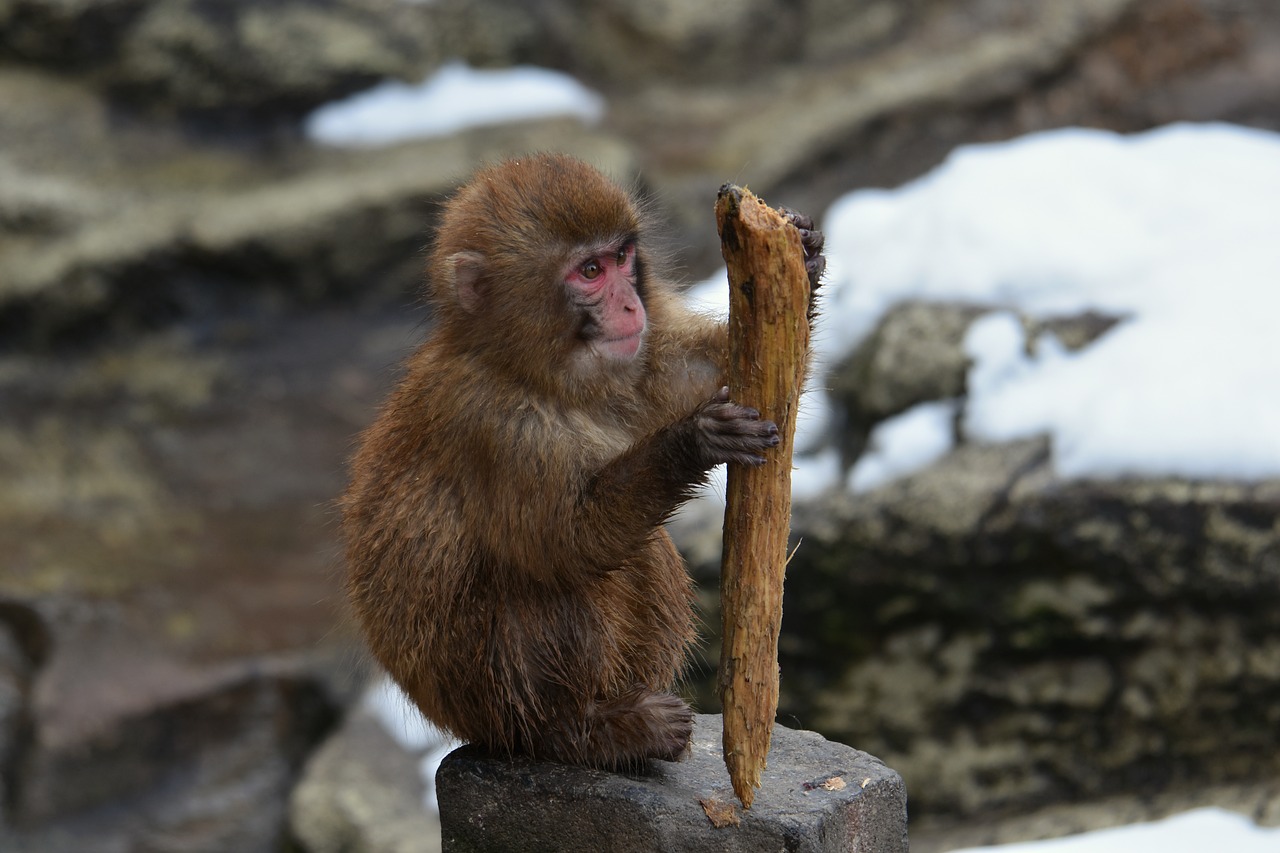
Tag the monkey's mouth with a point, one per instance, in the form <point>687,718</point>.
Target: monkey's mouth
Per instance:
<point>623,349</point>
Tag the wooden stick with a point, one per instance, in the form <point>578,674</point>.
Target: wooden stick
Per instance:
<point>768,348</point>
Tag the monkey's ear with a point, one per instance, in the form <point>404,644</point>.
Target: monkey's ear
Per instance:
<point>465,271</point>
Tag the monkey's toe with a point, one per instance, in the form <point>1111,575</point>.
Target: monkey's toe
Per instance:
<point>675,731</point>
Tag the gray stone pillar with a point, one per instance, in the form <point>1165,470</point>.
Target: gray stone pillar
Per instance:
<point>815,796</point>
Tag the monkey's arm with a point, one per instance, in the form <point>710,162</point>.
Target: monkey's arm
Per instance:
<point>551,511</point>
<point>639,489</point>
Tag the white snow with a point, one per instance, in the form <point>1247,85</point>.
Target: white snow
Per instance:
<point>454,98</point>
<point>1195,831</point>
<point>1177,230</point>
<point>400,719</point>
<point>905,443</point>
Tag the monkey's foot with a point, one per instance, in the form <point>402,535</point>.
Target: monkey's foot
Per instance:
<point>670,723</point>
<point>625,731</point>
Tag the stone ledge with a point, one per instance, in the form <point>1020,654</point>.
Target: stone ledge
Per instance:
<point>816,796</point>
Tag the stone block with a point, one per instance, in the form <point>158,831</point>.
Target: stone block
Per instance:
<point>815,796</point>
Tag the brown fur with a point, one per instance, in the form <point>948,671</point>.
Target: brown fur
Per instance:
<point>505,548</point>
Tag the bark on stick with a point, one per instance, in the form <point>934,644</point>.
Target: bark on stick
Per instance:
<point>768,347</point>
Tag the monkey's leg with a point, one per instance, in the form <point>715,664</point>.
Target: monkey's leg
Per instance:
<point>624,731</point>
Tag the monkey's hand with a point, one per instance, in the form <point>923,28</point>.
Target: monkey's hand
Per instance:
<point>815,263</point>
<point>723,431</point>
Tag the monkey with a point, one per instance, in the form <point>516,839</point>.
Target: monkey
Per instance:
<point>504,513</point>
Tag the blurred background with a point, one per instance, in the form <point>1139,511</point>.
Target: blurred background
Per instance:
<point>1039,499</point>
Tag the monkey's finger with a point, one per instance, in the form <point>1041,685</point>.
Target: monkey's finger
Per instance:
<point>743,441</point>
<point>796,218</point>
<point>767,431</point>
<point>744,429</point>
<point>732,412</point>
<point>813,241</point>
<point>744,448</point>
<point>751,460</point>
<point>815,267</point>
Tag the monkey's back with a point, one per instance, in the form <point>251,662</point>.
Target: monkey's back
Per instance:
<point>450,521</point>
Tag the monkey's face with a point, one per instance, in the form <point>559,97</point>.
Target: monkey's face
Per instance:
<point>602,284</point>
<point>538,270</point>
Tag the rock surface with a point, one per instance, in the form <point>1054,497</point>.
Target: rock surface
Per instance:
<point>814,796</point>
<point>210,770</point>
<point>869,93</point>
<point>1008,639</point>
<point>363,792</point>
<point>182,231</point>
<point>916,355</point>
<point>1011,640</point>
<point>235,57</point>
<point>23,647</point>
<point>195,646</point>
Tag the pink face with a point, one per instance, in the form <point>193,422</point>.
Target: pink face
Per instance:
<point>603,287</point>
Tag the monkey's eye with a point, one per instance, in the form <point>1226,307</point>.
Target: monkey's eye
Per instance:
<point>625,255</point>
<point>591,270</point>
